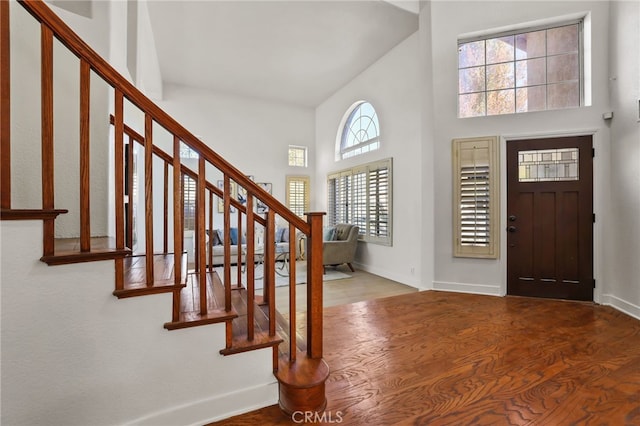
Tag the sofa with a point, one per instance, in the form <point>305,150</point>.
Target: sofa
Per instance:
<point>339,245</point>
<point>281,239</point>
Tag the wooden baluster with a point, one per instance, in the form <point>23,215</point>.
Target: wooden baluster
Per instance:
<point>239,260</point>
<point>211,230</point>
<point>5,107</point>
<point>314,286</point>
<point>249,265</point>
<point>177,228</point>
<point>129,222</point>
<point>202,259</point>
<point>148,197</point>
<point>293,349</point>
<point>119,185</point>
<point>46,41</point>
<point>227,243</point>
<point>85,157</point>
<point>165,229</point>
<point>270,271</point>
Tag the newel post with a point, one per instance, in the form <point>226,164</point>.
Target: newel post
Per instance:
<point>314,286</point>
<point>302,379</point>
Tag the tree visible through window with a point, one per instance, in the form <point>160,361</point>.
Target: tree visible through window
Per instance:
<point>539,69</point>
<point>297,156</point>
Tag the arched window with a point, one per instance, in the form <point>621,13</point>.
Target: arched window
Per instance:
<point>361,132</point>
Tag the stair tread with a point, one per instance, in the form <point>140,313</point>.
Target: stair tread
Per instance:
<point>195,319</point>
<point>135,280</point>
<point>261,340</point>
<point>30,214</point>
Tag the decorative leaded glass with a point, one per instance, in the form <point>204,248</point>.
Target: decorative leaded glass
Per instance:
<point>548,165</point>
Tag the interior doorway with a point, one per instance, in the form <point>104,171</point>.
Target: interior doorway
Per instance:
<point>550,218</point>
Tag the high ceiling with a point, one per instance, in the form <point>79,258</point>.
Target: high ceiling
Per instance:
<point>295,51</point>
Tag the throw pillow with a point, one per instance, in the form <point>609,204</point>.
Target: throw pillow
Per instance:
<point>220,233</point>
<point>285,235</point>
<point>279,234</point>
<point>329,233</point>
<point>233,236</point>
<point>216,237</point>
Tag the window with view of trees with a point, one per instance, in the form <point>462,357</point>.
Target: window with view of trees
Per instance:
<point>362,196</point>
<point>532,70</point>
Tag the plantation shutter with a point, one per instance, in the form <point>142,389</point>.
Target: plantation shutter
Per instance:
<point>298,194</point>
<point>475,197</point>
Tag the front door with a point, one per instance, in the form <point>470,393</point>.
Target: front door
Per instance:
<point>550,218</point>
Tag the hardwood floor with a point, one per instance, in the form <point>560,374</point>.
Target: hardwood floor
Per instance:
<point>438,358</point>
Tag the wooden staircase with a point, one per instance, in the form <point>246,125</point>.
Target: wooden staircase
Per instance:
<point>200,295</point>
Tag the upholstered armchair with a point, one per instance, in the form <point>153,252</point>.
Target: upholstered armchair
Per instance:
<point>342,247</point>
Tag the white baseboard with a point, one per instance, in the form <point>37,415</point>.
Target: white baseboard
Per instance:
<point>484,289</point>
<point>215,408</point>
<point>621,305</point>
<point>410,280</point>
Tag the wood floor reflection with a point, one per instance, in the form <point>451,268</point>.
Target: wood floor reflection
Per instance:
<point>438,358</point>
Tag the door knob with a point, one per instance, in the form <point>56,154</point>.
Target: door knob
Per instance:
<point>511,229</point>
<point>512,218</point>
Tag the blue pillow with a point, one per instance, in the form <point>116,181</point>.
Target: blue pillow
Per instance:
<point>233,236</point>
<point>279,235</point>
<point>329,233</point>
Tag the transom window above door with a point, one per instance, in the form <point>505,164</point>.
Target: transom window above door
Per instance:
<point>535,69</point>
<point>361,131</point>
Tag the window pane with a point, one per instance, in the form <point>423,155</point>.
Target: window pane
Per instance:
<point>501,102</point>
<point>531,99</point>
<point>500,49</point>
<point>563,95</point>
<point>500,76</point>
<point>562,40</point>
<point>471,54</point>
<point>563,68</point>
<point>362,127</point>
<point>471,80</point>
<point>548,165</point>
<point>530,45</point>
<point>531,72</point>
<point>472,105</point>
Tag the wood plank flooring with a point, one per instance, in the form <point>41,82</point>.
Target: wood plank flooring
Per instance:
<point>438,358</point>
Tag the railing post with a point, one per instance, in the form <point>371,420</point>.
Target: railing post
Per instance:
<point>177,227</point>
<point>314,286</point>
<point>148,197</point>
<point>46,45</point>
<point>119,185</point>
<point>5,107</point>
<point>85,157</point>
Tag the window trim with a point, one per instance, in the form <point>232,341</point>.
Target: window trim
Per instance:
<point>307,191</point>
<point>584,60</point>
<point>305,151</point>
<point>492,249</point>
<point>345,177</point>
<point>341,150</point>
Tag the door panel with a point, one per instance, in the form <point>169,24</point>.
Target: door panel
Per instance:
<point>550,211</point>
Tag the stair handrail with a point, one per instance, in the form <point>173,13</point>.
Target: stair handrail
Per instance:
<point>41,12</point>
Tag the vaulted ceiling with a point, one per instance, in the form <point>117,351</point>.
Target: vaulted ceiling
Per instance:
<point>295,51</point>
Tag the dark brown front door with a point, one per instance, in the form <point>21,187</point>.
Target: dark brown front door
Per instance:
<point>550,218</point>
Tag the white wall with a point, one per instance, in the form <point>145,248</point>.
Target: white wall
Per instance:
<point>623,267</point>
<point>25,119</point>
<point>391,86</point>
<point>449,20</point>
<point>73,354</point>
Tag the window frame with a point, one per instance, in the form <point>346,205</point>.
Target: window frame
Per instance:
<point>306,180</point>
<point>476,249</point>
<point>582,63</point>
<point>344,152</point>
<point>305,155</point>
<point>347,200</point>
